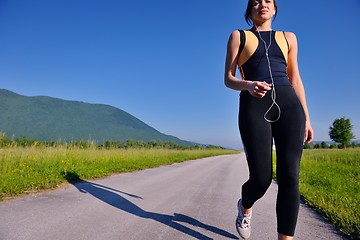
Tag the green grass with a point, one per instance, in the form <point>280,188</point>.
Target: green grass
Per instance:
<point>329,179</point>
<point>330,183</point>
<point>31,169</point>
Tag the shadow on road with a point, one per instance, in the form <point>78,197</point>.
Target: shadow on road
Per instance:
<point>112,197</point>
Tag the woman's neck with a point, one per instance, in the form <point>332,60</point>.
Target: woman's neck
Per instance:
<point>266,26</point>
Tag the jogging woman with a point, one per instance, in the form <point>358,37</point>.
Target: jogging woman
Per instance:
<point>272,107</point>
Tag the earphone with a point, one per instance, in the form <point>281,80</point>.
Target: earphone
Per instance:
<point>273,92</point>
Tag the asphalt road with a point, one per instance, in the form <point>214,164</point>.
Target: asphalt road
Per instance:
<point>192,200</point>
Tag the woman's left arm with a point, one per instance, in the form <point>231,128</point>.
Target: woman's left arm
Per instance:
<point>296,82</point>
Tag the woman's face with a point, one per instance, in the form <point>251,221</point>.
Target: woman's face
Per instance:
<point>262,10</point>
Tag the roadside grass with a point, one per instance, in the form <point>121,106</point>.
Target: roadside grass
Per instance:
<point>32,169</point>
<point>330,183</point>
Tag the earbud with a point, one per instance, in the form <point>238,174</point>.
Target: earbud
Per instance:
<point>274,13</point>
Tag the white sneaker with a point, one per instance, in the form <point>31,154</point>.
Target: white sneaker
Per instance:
<point>243,223</point>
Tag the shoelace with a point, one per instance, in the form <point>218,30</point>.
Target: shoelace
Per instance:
<point>245,222</point>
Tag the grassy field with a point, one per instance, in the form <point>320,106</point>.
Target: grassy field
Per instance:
<point>37,168</point>
<point>330,183</point>
<point>329,179</point>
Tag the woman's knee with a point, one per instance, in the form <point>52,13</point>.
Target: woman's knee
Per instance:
<point>288,183</point>
<point>261,185</point>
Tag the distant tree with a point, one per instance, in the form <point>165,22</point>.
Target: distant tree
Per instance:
<point>317,146</point>
<point>131,143</point>
<point>4,141</point>
<point>332,146</point>
<point>108,144</point>
<point>324,145</point>
<point>340,132</point>
<point>307,146</point>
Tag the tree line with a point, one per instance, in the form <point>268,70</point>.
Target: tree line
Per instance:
<point>24,141</point>
<point>326,145</point>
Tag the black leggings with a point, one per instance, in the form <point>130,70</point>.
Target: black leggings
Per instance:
<point>257,135</point>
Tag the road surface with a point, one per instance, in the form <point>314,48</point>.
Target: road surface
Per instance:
<point>192,200</point>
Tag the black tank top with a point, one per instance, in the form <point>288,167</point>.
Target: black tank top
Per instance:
<point>256,67</point>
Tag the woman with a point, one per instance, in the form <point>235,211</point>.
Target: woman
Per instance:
<point>272,106</point>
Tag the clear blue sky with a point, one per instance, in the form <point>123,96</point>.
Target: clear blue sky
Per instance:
<point>163,61</point>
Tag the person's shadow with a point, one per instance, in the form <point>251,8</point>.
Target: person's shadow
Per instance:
<point>112,197</point>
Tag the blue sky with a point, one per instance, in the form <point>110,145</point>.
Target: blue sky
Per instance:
<point>163,61</point>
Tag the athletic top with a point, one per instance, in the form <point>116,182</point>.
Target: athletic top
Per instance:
<point>252,62</point>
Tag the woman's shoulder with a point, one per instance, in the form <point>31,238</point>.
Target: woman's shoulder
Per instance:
<point>235,37</point>
<point>235,33</point>
<point>291,39</point>
<point>290,35</point>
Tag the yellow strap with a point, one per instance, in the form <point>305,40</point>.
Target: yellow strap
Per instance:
<point>282,43</point>
<point>251,44</point>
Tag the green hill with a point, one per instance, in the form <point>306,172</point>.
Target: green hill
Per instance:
<point>51,119</point>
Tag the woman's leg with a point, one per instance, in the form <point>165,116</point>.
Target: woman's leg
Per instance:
<point>289,138</point>
<point>284,237</point>
<point>256,136</point>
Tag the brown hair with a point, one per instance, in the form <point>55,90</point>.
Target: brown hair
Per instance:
<point>248,18</point>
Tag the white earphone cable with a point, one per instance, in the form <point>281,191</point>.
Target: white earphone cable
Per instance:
<point>273,92</point>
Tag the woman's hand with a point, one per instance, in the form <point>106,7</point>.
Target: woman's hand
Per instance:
<point>309,133</point>
<point>258,89</point>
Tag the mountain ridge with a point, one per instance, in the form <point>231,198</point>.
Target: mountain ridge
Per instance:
<point>50,119</point>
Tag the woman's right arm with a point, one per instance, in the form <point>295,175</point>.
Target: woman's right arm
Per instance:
<point>255,88</point>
